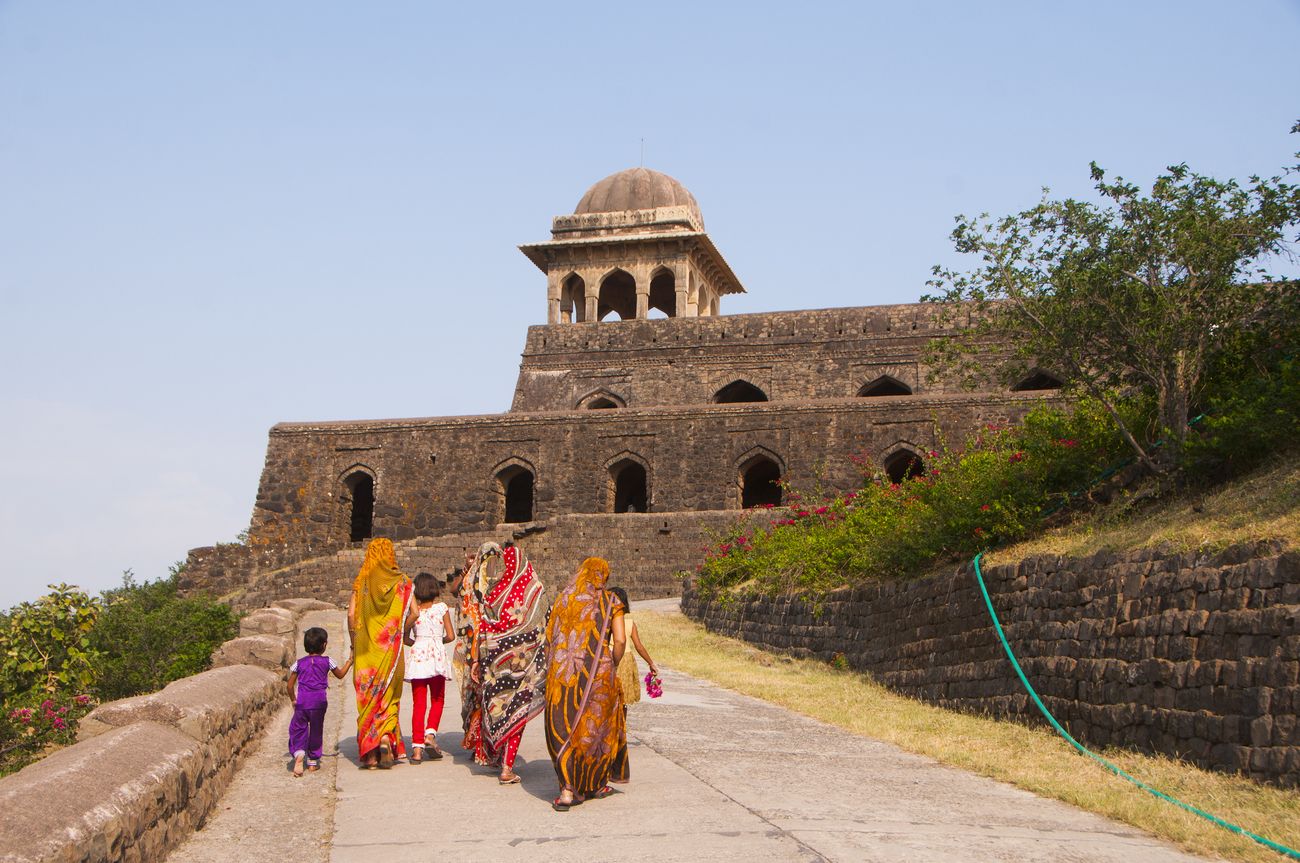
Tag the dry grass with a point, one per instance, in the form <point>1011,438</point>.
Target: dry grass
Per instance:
<point>1264,505</point>
<point>1030,758</point>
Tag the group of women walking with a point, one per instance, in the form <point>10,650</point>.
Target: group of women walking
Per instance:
<point>520,659</point>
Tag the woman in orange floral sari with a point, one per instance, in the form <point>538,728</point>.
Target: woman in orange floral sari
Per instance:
<point>380,597</point>
<point>585,734</point>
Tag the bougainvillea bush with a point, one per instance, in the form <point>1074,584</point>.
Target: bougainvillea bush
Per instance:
<point>994,488</point>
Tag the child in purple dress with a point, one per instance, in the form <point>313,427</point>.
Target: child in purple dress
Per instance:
<point>310,675</point>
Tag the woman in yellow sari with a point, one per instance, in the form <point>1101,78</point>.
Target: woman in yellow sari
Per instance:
<point>380,597</point>
<point>585,732</point>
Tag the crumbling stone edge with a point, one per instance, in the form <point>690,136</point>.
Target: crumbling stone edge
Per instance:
<point>1194,655</point>
<point>148,770</point>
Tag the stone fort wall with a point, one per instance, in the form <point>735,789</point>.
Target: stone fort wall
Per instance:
<point>1194,656</point>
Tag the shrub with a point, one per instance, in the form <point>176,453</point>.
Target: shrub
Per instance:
<point>149,635</point>
<point>993,489</point>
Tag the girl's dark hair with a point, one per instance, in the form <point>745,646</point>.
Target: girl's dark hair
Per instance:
<point>314,640</point>
<point>622,597</point>
<point>427,587</point>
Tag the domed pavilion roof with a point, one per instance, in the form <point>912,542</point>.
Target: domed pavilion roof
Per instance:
<point>637,189</point>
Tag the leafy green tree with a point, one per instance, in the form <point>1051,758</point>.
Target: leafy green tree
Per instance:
<point>46,645</point>
<point>149,635</point>
<point>1133,295</point>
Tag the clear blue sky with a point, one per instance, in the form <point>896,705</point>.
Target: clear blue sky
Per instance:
<point>219,215</point>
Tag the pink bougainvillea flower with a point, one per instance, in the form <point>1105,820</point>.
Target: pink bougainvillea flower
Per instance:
<point>1017,456</point>
<point>985,508</point>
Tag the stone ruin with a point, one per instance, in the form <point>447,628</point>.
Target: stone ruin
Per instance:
<point>643,421</point>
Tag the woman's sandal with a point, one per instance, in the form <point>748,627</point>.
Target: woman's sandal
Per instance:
<point>435,754</point>
<point>297,766</point>
<point>418,755</point>
<point>603,793</point>
<point>560,806</point>
<point>385,757</point>
<point>508,779</point>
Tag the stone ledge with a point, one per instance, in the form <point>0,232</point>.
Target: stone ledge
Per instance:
<point>130,793</point>
<point>274,652</point>
<point>204,706</point>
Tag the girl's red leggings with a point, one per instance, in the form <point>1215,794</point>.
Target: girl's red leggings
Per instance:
<point>430,689</point>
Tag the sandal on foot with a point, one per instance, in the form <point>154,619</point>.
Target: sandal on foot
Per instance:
<point>385,757</point>
<point>560,806</point>
<point>418,755</point>
<point>512,779</point>
<point>435,754</point>
<point>297,766</point>
<point>603,793</point>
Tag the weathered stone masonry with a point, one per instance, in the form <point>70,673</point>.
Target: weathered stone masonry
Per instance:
<point>1194,656</point>
<point>691,416</point>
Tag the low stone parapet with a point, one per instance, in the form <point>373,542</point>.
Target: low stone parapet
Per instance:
<point>147,770</point>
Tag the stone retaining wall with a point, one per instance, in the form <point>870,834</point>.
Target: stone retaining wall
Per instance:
<point>1189,655</point>
<point>148,770</point>
<point>646,551</point>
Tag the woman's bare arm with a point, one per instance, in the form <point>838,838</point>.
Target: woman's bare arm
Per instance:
<point>640,648</point>
<point>620,639</point>
<point>448,631</point>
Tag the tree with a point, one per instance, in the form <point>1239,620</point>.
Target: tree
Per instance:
<point>1133,295</point>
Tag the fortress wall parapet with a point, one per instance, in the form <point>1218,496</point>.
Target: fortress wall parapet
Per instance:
<point>148,770</point>
<point>1192,655</point>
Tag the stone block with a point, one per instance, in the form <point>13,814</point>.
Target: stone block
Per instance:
<point>269,621</point>
<point>206,706</point>
<point>275,652</point>
<point>300,605</point>
<point>130,793</point>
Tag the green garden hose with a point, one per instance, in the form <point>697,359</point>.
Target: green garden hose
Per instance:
<point>1083,750</point>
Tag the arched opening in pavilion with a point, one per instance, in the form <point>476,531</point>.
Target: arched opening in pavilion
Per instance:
<point>617,296</point>
<point>663,294</point>
<point>573,299</point>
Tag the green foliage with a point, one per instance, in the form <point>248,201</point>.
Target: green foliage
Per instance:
<point>149,635</point>
<point>45,645</point>
<point>1135,295</point>
<point>47,665</point>
<point>62,653</point>
<point>994,489</point>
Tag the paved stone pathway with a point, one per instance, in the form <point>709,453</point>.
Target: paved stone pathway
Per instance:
<point>715,776</point>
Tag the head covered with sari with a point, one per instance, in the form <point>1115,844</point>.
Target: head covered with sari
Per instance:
<point>585,732</point>
<point>380,597</point>
<point>506,618</point>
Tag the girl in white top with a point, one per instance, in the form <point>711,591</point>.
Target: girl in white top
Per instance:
<point>428,628</point>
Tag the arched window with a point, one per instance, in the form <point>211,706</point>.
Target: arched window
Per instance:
<point>739,391</point>
<point>628,486</point>
<point>573,298</point>
<point>516,489</point>
<point>903,464</point>
<point>361,494</point>
<point>617,295</point>
<point>1038,380</point>
<point>663,293</point>
<point>885,386</point>
<point>601,399</point>
<point>760,483</point>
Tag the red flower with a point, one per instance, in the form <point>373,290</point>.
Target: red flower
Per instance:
<point>985,508</point>
<point>979,531</point>
<point>934,453</point>
<point>1017,456</point>
<point>821,510</point>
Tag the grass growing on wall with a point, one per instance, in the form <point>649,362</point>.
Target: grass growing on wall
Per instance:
<point>1031,758</point>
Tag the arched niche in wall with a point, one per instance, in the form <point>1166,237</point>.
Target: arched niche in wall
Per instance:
<point>358,498</point>
<point>617,295</point>
<point>1038,380</point>
<point>663,293</point>
<point>737,392</point>
<point>903,464</point>
<point>760,472</point>
<point>573,298</point>
<point>629,483</point>
<point>885,385</point>
<point>601,399</point>
<point>516,483</point>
